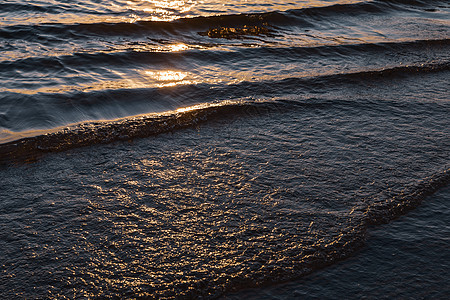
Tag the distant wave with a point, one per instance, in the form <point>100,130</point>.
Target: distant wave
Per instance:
<point>124,58</point>
<point>49,8</point>
<point>15,7</point>
<point>304,17</point>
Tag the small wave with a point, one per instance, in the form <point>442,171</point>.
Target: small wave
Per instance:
<point>387,209</point>
<point>303,17</point>
<point>70,63</point>
<point>15,7</point>
<point>396,71</point>
<point>318,83</point>
<point>115,101</point>
<point>91,133</point>
<point>100,132</point>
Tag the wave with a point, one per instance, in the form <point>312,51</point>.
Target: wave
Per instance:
<point>353,238</point>
<point>91,133</point>
<point>75,106</point>
<point>303,17</point>
<point>69,63</point>
<point>387,209</point>
<point>101,132</point>
<point>48,8</point>
<point>15,7</point>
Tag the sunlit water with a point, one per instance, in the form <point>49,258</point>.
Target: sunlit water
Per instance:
<point>187,149</point>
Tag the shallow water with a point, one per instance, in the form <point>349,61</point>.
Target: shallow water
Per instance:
<point>404,259</point>
<point>187,149</point>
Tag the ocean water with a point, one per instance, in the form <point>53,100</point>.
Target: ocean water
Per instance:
<point>196,149</point>
<point>406,259</point>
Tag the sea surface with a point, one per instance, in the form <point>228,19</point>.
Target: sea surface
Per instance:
<point>218,149</point>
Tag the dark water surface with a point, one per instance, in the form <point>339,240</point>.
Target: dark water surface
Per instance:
<point>407,259</point>
<point>189,149</point>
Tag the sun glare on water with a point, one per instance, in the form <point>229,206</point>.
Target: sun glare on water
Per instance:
<point>166,75</point>
<point>166,78</point>
<point>160,10</point>
<point>178,47</point>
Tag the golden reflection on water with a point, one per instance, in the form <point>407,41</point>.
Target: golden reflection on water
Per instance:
<point>166,78</point>
<point>167,75</point>
<point>160,10</point>
<point>178,47</point>
<point>155,10</point>
<point>138,80</point>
